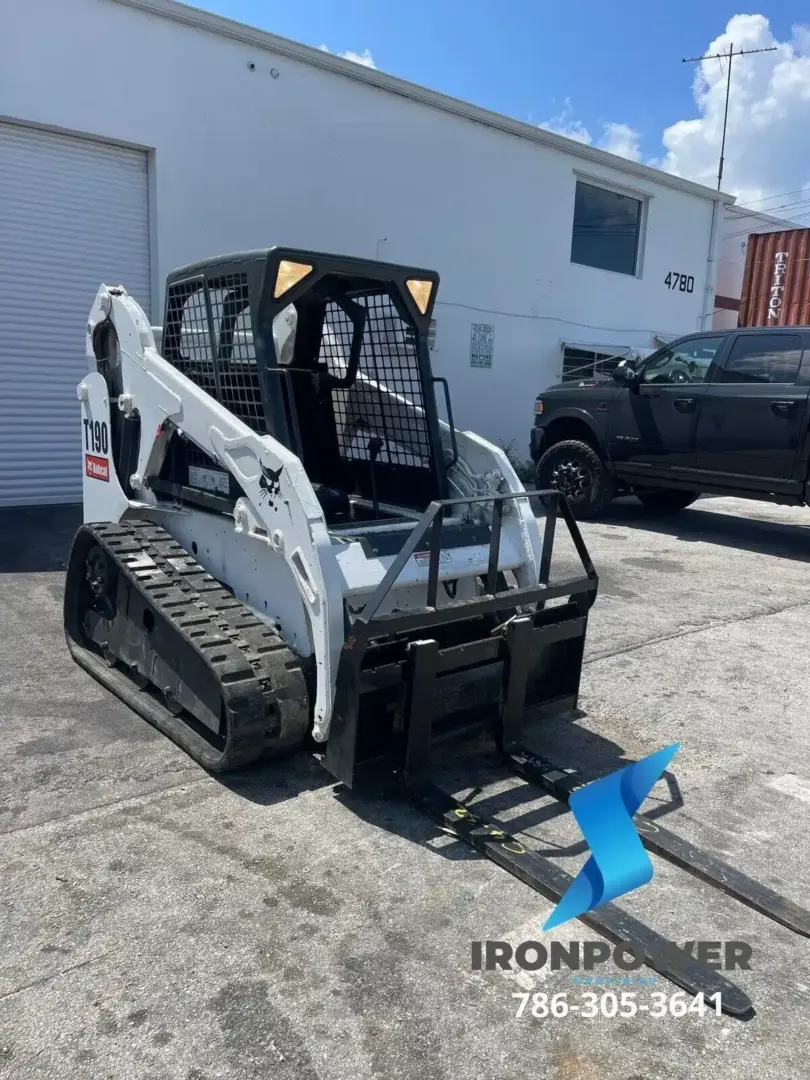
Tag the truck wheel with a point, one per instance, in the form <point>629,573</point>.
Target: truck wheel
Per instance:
<point>667,501</point>
<point>575,469</point>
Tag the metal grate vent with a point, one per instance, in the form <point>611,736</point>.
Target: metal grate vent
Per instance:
<point>388,362</point>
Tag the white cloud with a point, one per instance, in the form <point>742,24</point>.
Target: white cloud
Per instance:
<point>768,141</point>
<point>564,123</point>
<point>768,117</point>
<point>617,138</point>
<point>364,58</point>
<point>621,139</point>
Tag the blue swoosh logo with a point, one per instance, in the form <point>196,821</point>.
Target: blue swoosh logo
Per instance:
<point>604,811</point>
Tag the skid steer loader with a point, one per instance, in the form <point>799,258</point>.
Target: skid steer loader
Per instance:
<point>286,545</point>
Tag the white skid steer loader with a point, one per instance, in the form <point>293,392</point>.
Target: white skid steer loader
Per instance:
<point>285,545</point>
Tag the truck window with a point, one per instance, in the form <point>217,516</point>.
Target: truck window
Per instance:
<point>687,362</point>
<point>763,358</point>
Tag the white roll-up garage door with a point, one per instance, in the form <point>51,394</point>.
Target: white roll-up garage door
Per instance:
<point>73,213</point>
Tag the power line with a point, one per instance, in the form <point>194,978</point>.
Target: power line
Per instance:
<point>728,56</point>
<point>772,209</point>
<point>780,195</point>
<point>788,223</point>
<point>767,228</point>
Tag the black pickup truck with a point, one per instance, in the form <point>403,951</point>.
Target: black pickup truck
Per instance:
<point>722,412</point>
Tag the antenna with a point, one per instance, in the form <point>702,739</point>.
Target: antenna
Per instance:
<point>725,56</point>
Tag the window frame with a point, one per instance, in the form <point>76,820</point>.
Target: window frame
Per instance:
<point>711,372</point>
<point>716,364</point>
<point>781,332</point>
<point>640,196</point>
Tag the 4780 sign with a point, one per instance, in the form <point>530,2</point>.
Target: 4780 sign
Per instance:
<point>681,282</point>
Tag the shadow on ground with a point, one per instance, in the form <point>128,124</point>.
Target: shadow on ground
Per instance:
<point>474,771</point>
<point>37,538</point>
<point>788,541</point>
<point>277,780</point>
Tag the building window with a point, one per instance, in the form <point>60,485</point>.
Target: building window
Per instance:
<point>579,364</point>
<point>607,227</point>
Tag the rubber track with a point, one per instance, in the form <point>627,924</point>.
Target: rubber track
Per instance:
<point>262,686</point>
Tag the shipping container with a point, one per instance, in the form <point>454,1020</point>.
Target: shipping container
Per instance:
<point>776,282</point>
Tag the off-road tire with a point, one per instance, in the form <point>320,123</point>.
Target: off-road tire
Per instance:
<point>667,502</point>
<point>576,469</point>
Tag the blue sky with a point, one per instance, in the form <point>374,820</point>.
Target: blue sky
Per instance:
<point>613,62</point>
<point>609,74</point>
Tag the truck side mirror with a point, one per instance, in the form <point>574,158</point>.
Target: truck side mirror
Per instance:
<point>624,373</point>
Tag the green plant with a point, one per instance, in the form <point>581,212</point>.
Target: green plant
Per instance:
<point>523,466</point>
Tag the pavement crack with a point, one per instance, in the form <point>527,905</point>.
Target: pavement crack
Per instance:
<point>610,653</point>
<point>54,975</point>
<point>60,819</point>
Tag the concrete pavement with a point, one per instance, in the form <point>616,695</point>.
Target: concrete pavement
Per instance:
<point>158,923</point>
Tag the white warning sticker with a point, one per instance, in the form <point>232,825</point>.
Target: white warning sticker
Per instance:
<point>423,557</point>
<point>208,479</point>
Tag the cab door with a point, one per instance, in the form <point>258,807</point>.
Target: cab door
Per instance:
<point>653,425</point>
<point>754,414</point>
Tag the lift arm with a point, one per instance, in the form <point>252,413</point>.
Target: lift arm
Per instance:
<point>279,508</point>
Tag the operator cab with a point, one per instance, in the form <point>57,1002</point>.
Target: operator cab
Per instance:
<point>328,355</point>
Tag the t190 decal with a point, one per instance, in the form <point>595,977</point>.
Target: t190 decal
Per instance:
<point>96,437</point>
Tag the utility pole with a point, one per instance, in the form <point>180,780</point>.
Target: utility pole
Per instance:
<point>725,56</point>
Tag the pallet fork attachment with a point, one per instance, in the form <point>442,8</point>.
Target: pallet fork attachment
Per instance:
<point>526,635</point>
<point>534,661</point>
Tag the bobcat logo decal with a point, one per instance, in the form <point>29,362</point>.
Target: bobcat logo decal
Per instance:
<point>270,483</point>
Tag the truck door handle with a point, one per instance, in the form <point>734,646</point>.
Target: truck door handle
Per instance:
<point>684,404</point>
<point>783,407</point>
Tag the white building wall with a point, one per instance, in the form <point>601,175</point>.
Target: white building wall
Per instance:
<point>293,154</point>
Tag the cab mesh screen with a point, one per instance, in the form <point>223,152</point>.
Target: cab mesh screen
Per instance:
<point>209,337</point>
<point>386,398</point>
